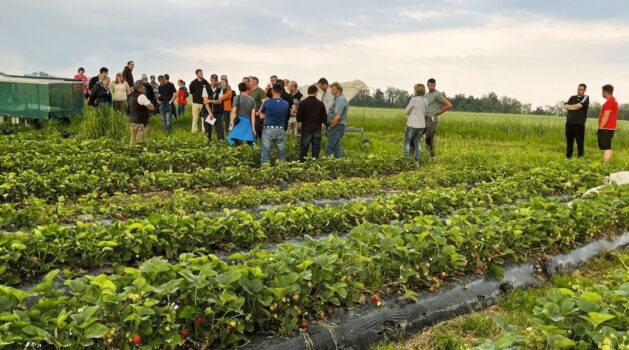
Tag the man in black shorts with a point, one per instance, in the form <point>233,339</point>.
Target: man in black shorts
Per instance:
<point>607,121</point>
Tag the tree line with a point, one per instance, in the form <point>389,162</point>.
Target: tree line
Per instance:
<point>393,97</point>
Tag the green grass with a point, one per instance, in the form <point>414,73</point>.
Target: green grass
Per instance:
<point>470,136</point>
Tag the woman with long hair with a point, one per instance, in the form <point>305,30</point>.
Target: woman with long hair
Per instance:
<point>120,91</point>
<point>227,97</point>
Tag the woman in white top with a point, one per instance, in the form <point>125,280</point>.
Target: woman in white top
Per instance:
<point>416,124</point>
<point>120,90</point>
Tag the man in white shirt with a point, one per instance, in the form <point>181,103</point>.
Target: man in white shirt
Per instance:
<point>139,110</point>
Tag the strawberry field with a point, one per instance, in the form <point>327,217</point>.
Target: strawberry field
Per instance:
<point>181,244</point>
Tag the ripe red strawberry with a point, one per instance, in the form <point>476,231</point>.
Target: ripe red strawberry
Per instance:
<point>303,324</point>
<point>137,340</point>
<point>184,333</point>
<point>375,299</point>
<point>199,320</point>
<point>432,289</point>
<point>443,276</point>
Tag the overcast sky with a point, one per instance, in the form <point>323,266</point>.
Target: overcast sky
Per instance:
<point>537,51</point>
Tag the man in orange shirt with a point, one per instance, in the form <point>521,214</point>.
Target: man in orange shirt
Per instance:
<point>607,121</point>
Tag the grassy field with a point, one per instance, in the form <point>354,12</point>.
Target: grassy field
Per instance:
<point>486,137</point>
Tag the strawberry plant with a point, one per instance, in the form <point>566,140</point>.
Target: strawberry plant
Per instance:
<point>255,291</point>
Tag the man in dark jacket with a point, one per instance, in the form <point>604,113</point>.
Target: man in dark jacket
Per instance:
<point>311,116</point>
<point>127,73</point>
<point>94,80</point>
<point>100,94</point>
<point>139,112</point>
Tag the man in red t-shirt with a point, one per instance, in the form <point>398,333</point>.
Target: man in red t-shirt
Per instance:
<point>607,121</point>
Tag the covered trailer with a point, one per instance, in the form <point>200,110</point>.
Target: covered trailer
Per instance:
<point>40,98</point>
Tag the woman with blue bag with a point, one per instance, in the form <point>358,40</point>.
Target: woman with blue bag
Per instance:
<point>241,125</point>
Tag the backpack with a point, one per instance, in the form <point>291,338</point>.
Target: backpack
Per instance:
<point>185,92</point>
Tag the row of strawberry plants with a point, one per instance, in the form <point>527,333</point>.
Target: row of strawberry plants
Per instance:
<point>202,301</point>
<point>44,157</point>
<point>24,255</point>
<point>63,182</point>
<point>35,211</point>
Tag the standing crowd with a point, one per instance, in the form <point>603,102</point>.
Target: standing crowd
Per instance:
<point>250,114</point>
<point>253,114</point>
<point>577,107</point>
<point>425,108</point>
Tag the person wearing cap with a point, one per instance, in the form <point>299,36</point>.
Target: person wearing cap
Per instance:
<point>325,94</point>
<point>273,113</point>
<point>139,112</point>
<point>337,118</point>
<point>94,80</point>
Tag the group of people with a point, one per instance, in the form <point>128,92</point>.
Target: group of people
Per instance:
<point>255,114</point>
<point>577,107</point>
<point>425,107</point>
<point>423,111</point>
<point>245,116</point>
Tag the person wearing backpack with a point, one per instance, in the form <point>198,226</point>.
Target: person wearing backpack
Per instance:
<point>182,97</point>
<point>242,120</point>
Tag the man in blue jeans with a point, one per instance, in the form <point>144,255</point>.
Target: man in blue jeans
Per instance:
<point>337,118</point>
<point>167,95</point>
<point>273,112</point>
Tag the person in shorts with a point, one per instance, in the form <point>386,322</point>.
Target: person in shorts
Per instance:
<point>607,121</point>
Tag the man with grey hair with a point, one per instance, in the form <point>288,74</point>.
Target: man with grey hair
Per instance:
<point>139,112</point>
<point>337,118</point>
